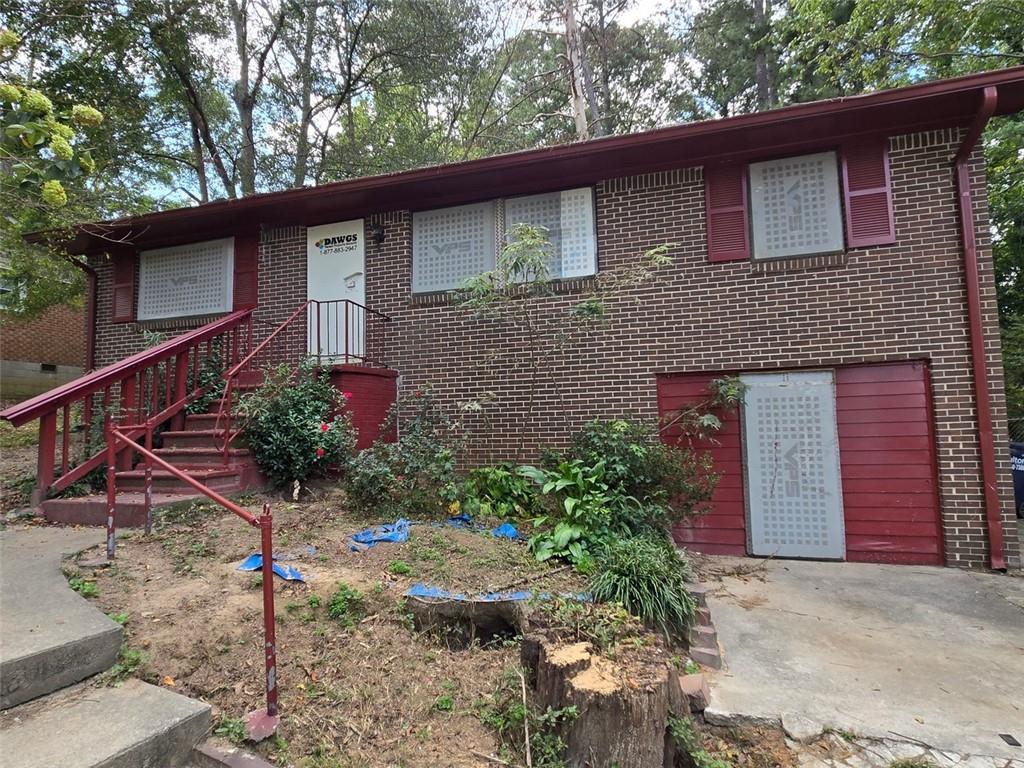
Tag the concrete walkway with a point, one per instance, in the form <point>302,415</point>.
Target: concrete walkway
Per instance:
<point>49,636</point>
<point>927,655</point>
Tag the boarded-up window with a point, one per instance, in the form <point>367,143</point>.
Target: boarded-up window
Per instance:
<point>186,280</point>
<point>568,218</point>
<point>795,206</point>
<point>450,245</point>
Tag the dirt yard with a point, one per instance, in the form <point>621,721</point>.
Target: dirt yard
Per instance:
<point>366,691</point>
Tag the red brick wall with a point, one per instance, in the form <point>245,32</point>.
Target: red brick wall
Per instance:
<point>900,302</point>
<point>57,337</point>
<point>373,393</point>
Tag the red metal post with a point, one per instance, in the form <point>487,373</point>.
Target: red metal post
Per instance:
<point>45,457</point>
<point>128,397</point>
<point>111,488</point>
<point>148,492</point>
<point>65,440</point>
<point>263,723</point>
<point>180,387</point>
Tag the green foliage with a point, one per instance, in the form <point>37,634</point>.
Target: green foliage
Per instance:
<point>209,379</point>
<point>120,618</point>
<point>444,703</point>
<point>508,716</point>
<point>346,605</point>
<point>129,660</point>
<point>582,510</point>
<point>687,739</point>
<point>503,490</point>
<point>399,568</point>
<point>289,425</point>
<point>84,587</point>
<point>649,578</point>
<point>604,625</point>
<point>415,476</point>
<point>232,729</point>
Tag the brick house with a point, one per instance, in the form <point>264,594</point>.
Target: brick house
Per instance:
<point>818,253</point>
<point>39,353</point>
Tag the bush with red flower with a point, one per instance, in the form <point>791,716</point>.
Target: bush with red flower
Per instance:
<point>297,425</point>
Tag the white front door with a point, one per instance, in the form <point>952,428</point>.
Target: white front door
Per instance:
<point>794,492</point>
<point>335,271</point>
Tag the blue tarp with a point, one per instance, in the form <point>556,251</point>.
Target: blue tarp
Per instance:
<point>436,593</point>
<point>397,532</point>
<point>254,562</point>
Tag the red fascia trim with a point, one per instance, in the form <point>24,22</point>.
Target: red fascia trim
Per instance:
<point>993,513</point>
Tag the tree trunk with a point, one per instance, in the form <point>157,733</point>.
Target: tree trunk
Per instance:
<point>200,159</point>
<point>306,117</point>
<point>244,101</point>
<point>621,716</point>
<point>576,86</point>
<point>762,76</point>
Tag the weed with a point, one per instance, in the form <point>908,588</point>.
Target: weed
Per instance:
<point>846,735</point>
<point>604,625</point>
<point>913,762</point>
<point>508,716</point>
<point>232,729</point>
<point>313,601</point>
<point>128,662</point>
<point>84,587</point>
<point>399,568</point>
<point>256,582</point>
<point>120,618</point>
<point>688,740</point>
<point>291,606</point>
<point>346,605</point>
<point>444,703</point>
<point>405,617</point>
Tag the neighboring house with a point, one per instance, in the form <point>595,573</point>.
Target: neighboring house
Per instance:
<point>39,353</point>
<point>818,254</point>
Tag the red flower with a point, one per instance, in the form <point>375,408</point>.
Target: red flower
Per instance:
<point>324,427</point>
<point>417,393</point>
<point>347,395</point>
<point>320,452</point>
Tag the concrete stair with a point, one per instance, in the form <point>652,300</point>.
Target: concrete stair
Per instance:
<point>51,638</point>
<point>703,637</point>
<point>197,449</point>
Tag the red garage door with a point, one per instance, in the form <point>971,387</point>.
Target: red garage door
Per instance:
<point>887,463</point>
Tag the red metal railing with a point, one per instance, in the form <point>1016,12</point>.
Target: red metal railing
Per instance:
<point>148,389</point>
<point>332,332</point>
<point>260,723</point>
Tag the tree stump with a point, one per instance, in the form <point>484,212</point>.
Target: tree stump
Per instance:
<point>622,706</point>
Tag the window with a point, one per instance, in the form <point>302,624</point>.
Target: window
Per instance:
<point>795,206</point>
<point>451,245</point>
<point>186,280</point>
<point>791,207</point>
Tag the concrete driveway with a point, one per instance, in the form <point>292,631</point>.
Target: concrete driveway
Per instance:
<point>931,655</point>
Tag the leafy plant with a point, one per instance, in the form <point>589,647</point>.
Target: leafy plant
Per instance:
<point>444,703</point>
<point>503,490</point>
<point>582,510</point>
<point>415,476</point>
<point>291,426</point>
<point>648,577</point>
<point>603,625</point>
<point>508,715</point>
<point>346,605</point>
<point>128,662</point>
<point>84,587</point>
<point>209,379</point>
<point>232,729</point>
<point>399,568</point>
<point>687,739</point>
<point>120,618</point>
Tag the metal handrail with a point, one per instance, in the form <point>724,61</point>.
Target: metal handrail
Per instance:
<point>261,722</point>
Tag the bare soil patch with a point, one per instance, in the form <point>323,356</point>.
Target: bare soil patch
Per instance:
<point>374,693</point>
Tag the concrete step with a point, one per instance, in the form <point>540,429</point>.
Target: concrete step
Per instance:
<point>699,593</point>
<point>214,478</point>
<point>130,512</point>
<point>707,656</point>
<point>704,617</point>
<point>703,637</point>
<point>136,725</point>
<point>50,637</point>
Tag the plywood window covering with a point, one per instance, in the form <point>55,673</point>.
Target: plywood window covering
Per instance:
<point>795,206</point>
<point>568,217</point>
<point>186,280</point>
<point>451,245</point>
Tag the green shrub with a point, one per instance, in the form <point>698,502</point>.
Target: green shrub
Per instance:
<point>670,483</point>
<point>503,490</point>
<point>209,378</point>
<point>346,605</point>
<point>415,476</point>
<point>648,577</point>
<point>290,428</point>
<point>687,740</point>
<point>582,510</point>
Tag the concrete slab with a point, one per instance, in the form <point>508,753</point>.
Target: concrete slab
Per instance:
<point>49,636</point>
<point>911,653</point>
<point>136,725</point>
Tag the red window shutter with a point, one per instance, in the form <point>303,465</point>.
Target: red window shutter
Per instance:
<point>725,199</point>
<point>867,193</point>
<point>246,287</point>
<point>123,300</point>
